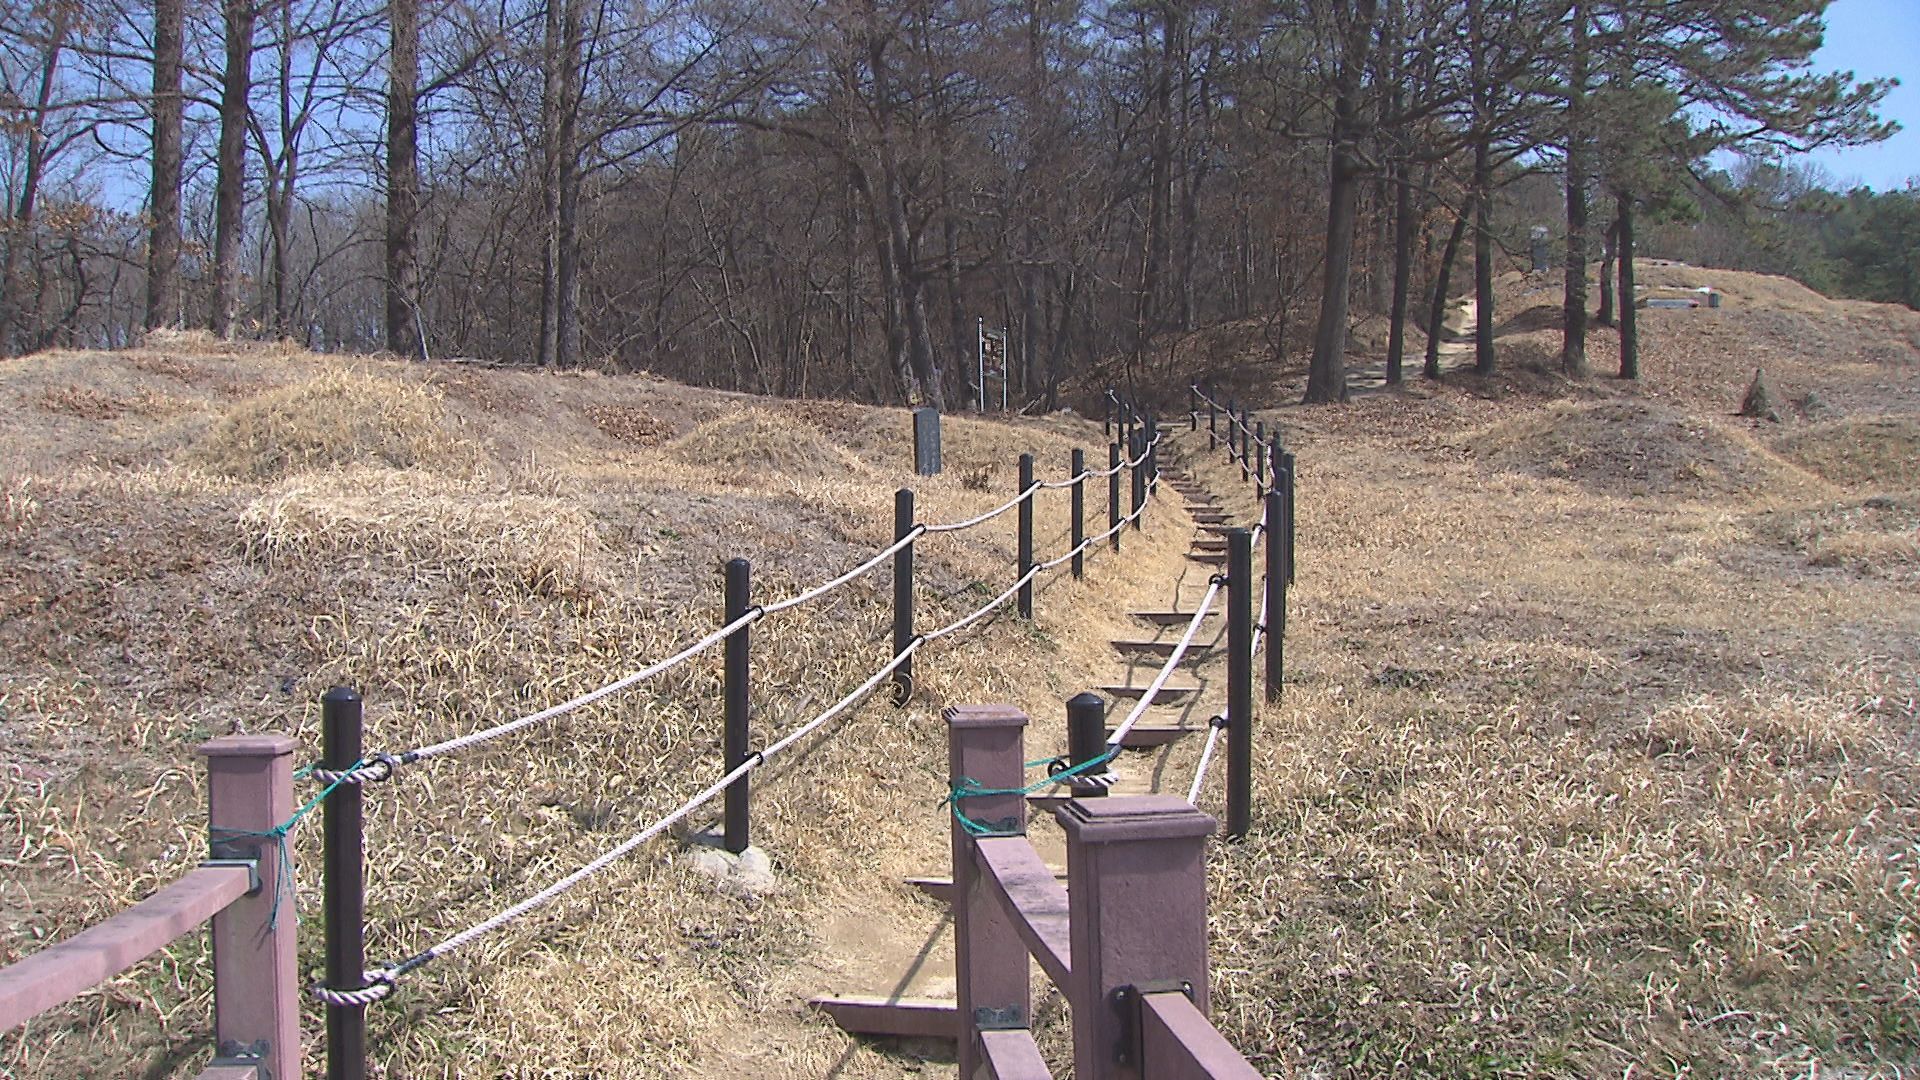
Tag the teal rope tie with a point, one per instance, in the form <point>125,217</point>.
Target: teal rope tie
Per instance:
<point>966,787</point>
<point>279,833</point>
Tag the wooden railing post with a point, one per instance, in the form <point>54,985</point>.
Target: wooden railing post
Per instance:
<point>984,744</point>
<point>1260,460</point>
<point>1113,493</point>
<point>256,988</point>
<point>1137,454</point>
<point>1286,462</point>
<point>1137,902</point>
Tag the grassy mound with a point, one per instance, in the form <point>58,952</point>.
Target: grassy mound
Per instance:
<point>546,546</point>
<point>741,444</point>
<point>1878,537</point>
<point>1634,448</point>
<point>339,417</point>
<point>1858,450</point>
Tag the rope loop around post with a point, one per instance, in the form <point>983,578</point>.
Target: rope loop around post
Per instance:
<point>378,769</point>
<point>380,986</point>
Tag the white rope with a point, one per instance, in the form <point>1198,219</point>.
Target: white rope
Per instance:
<point>1069,481</point>
<point>826,587</point>
<point>1166,671</point>
<point>613,854</point>
<point>981,613</point>
<point>498,730</point>
<point>1231,418</point>
<point>1084,545</point>
<point>988,516</point>
<point>1206,759</point>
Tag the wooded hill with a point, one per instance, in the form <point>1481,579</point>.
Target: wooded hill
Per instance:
<point>830,199</point>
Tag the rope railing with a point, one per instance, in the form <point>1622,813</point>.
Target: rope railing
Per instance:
<point>1166,670</point>
<point>382,766</point>
<point>1214,727</point>
<point>1232,417</point>
<point>380,983</point>
<point>384,980</point>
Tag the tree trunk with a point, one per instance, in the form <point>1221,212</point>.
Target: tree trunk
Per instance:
<point>163,240</point>
<point>1437,315</point>
<point>1573,337</point>
<point>21,323</point>
<point>1327,372</point>
<point>230,191</point>
<point>1608,240</point>
<point>1483,361</point>
<point>405,324</point>
<point>1402,275</point>
<point>1629,317</point>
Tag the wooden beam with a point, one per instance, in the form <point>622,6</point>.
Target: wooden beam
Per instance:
<point>1035,899</point>
<point>914,1018</point>
<point>1012,1055</point>
<point>59,973</point>
<point>1177,1041</point>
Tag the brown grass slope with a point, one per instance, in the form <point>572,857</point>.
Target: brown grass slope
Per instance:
<point>1596,756</point>
<point>197,541</point>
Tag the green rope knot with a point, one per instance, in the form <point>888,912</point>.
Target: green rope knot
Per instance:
<point>279,833</point>
<point>966,787</point>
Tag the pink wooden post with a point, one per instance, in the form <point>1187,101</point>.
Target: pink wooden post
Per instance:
<point>990,961</point>
<point>256,1007</point>
<point>1137,889</point>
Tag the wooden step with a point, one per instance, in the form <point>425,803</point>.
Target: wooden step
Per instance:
<point>1171,618</point>
<point>1196,651</point>
<point>922,1018</point>
<point>1169,693</point>
<point>1208,558</point>
<point>1142,736</point>
<point>1209,543</point>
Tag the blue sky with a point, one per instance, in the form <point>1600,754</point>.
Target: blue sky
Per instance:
<point>1874,39</point>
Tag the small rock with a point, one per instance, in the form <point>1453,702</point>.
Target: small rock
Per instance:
<point>748,875</point>
<point>1758,404</point>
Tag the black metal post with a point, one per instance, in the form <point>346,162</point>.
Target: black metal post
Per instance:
<point>1106,413</point>
<point>1286,459</point>
<point>1153,450</point>
<point>1239,683</point>
<point>343,856</point>
<point>1113,493</point>
<point>734,750</point>
<point>1078,464</point>
<point>1213,418</point>
<point>1193,410</point>
<point>1243,426</point>
<point>1026,536</point>
<point>1139,477</point>
<point>1260,459</point>
<point>902,595</point>
<point>1233,430</point>
<point>1276,600</point>
<point>1086,735</point>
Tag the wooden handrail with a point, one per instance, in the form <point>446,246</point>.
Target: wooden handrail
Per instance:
<point>61,972</point>
<point>1036,903</point>
<point>1176,1040</point>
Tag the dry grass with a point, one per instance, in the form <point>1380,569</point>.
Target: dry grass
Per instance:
<point>1595,758</point>
<point>1865,450</point>
<point>336,418</point>
<point>1637,448</point>
<point>147,608</point>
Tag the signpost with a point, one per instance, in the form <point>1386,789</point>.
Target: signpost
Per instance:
<point>991,361</point>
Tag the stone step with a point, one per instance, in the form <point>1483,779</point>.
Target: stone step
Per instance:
<point>1208,558</point>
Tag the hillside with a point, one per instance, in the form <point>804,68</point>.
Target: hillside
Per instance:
<point>1596,754</point>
